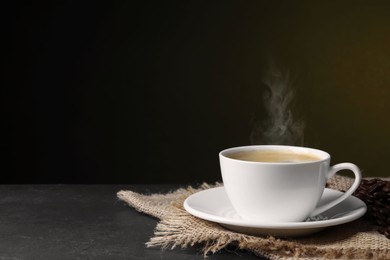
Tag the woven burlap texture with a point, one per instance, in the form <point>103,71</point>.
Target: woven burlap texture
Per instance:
<point>177,228</point>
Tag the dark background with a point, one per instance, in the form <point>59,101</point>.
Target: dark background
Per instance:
<point>151,91</point>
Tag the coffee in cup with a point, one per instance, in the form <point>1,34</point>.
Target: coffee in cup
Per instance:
<point>273,156</point>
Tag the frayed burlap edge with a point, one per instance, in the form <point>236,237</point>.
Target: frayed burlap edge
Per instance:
<point>178,228</point>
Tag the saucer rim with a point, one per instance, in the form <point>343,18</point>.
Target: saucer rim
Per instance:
<point>352,215</point>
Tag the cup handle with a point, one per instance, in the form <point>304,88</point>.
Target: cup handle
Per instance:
<point>355,185</point>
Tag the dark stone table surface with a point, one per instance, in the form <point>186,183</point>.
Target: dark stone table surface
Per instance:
<point>83,222</point>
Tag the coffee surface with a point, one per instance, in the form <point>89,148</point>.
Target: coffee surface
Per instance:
<point>274,156</point>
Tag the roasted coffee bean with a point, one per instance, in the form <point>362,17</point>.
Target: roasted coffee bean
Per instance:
<point>384,211</point>
<point>378,205</point>
<point>376,194</point>
<point>379,195</point>
<point>381,222</point>
<point>381,230</point>
<point>387,233</point>
<point>373,188</point>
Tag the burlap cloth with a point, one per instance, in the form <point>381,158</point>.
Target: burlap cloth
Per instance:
<point>355,240</point>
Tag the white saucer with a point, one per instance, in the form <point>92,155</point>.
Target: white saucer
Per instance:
<point>213,205</point>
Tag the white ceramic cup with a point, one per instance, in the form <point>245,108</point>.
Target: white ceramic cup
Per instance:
<point>269,192</point>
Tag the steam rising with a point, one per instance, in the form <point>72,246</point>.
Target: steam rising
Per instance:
<point>279,127</point>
